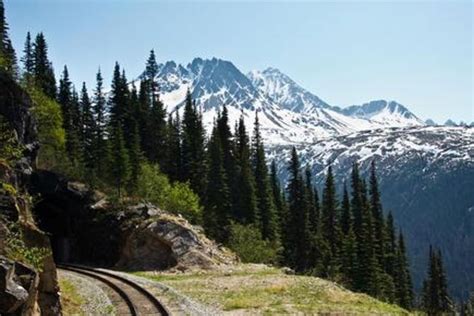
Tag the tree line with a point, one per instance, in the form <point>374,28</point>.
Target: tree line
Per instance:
<point>109,137</point>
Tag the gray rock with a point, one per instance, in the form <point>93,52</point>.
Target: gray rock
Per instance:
<point>13,294</point>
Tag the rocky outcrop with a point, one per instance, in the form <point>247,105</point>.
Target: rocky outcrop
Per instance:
<point>23,289</point>
<point>18,284</point>
<point>133,236</point>
<point>167,241</point>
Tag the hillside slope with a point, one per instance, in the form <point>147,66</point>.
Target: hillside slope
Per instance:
<point>257,289</point>
<point>426,178</point>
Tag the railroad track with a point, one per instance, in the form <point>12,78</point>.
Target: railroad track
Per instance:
<point>128,297</point>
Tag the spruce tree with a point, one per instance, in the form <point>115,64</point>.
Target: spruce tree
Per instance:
<point>194,168</point>
<point>7,53</point>
<point>349,259</point>
<point>297,230</point>
<point>346,214</point>
<point>265,204</point>
<point>100,150</point>
<point>403,284</point>
<point>172,166</point>
<point>151,71</point>
<point>216,215</point>
<point>68,100</point>
<point>136,159</point>
<point>157,132</point>
<point>313,203</point>
<point>436,300</point>
<point>244,197</point>
<point>43,70</point>
<point>88,130</point>
<point>120,161</point>
<point>377,214</point>
<point>330,226</point>
<point>28,59</point>
<point>143,117</point>
<point>118,99</point>
<point>278,195</point>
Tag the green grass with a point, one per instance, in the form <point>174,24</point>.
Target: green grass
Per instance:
<point>71,299</point>
<point>256,289</point>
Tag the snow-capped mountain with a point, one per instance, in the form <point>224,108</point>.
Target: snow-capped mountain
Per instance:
<point>383,112</point>
<point>426,177</point>
<point>284,91</point>
<point>288,114</point>
<point>426,172</point>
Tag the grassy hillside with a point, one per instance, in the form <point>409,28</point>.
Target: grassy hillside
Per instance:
<point>257,289</point>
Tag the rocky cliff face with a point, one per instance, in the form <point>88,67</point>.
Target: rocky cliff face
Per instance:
<point>86,228</point>
<point>23,289</point>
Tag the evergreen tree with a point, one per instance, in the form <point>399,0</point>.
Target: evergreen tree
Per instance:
<point>193,152</point>
<point>297,230</point>
<point>265,204</point>
<point>172,166</point>
<point>71,117</point>
<point>157,132</point>
<point>229,163</point>
<point>436,300</point>
<point>217,199</point>
<point>88,129</point>
<point>377,214</point>
<point>346,216</point>
<point>245,200</point>
<point>367,268</point>
<point>7,53</point>
<point>151,71</point>
<point>391,250</point>
<point>403,284</point>
<point>136,158</point>
<point>28,59</point>
<point>100,150</point>
<point>313,203</point>
<point>349,259</point>
<point>118,99</point>
<point>330,226</point>
<point>43,69</point>
<point>278,194</point>
<point>120,162</point>
<point>143,117</point>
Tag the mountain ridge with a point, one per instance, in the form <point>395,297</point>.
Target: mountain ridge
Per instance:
<point>293,116</point>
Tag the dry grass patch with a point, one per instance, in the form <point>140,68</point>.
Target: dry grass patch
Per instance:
<point>259,289</point>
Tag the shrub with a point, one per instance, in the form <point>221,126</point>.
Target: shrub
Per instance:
<point>247,242</point>
<point>177,198</point>
<point>51,133</point>
<point>10,150</point>
<point>17,250</point>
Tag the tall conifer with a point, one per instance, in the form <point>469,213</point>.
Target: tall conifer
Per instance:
<point>265,204</point>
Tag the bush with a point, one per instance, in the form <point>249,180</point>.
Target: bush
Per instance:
<point>51,133</point>
<point>17,250</point>
<point>177,198</point>
<point>10,150</point>
<point>247,242</point>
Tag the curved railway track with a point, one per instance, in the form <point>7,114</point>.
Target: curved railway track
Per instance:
<point>128,297</point>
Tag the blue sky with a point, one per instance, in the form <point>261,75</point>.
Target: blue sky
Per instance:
<point>418,53</point>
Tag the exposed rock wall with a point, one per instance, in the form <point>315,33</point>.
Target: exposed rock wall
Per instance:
<point>133,237</point>
<point>23,290</point>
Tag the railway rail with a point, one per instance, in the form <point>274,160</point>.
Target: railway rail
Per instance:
<point>128,297</point>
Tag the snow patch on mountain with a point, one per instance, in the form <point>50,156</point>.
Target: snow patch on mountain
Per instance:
<point>285,92</point>
<point>288,113</point>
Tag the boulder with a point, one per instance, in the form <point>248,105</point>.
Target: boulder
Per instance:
<point>168,241</point>
<point>17,286</point>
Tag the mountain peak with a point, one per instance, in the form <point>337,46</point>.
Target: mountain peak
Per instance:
<point>285,92</point>
<point>383,111</point>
